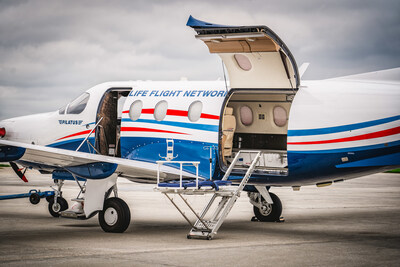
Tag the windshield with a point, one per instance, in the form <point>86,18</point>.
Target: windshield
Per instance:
<point>62,110</point>
<point>79,104</point>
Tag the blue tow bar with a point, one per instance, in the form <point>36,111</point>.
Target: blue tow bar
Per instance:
<point>33,195</point>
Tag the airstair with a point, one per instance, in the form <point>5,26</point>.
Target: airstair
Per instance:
<point>207,226</point>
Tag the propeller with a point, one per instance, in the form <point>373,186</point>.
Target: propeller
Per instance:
<point>19,172</point>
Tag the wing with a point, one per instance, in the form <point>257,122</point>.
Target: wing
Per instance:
<point>89,166</point>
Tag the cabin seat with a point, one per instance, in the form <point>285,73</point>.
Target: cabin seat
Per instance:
<point>228,130</point>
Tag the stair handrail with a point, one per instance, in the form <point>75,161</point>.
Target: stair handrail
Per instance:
<point>233,163</point>
<point>87,137</point>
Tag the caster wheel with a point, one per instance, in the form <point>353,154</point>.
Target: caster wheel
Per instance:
<point>34,198</point>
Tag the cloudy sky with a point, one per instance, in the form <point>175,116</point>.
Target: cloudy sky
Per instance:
<point>51,51</point>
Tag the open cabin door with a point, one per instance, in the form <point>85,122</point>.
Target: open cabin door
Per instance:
<point>254,56</point>
<point>264,78</point>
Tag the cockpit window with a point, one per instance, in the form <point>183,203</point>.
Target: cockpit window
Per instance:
<point>62,110</point>
<point>79,104</point>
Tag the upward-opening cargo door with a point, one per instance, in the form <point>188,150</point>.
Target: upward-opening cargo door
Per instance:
<point>254,56</point>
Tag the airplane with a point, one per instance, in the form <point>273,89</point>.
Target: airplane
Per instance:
<point>264,126</point>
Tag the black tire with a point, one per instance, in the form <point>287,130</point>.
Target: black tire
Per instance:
<point>34,198</point>
<point>115,216</point>
<point>61,205</point>
<point>273,211</point>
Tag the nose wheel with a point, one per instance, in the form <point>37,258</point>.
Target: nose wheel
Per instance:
<point>57,203</point>
<point>115,216</point>
<point>56,207</point>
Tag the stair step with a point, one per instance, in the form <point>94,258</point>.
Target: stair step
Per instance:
<point>210,224</point>
<point>200,234</point>
<point>72,215</point>
<point>78,200</point>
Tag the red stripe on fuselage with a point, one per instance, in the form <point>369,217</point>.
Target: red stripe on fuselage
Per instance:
<point>209,116</point>
<point>383,133</point>
<point>175,112</point>
<point>75,134</point>
<point>148,111</point>
<point>141,129</point>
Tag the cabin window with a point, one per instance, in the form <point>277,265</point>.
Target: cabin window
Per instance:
<point>280,116</point>
<point>79,104</point>
<point>246,115</point>
<point>243,62</point>
<point>194,112</point>
<point>160,111</point>
<point>135,110</point>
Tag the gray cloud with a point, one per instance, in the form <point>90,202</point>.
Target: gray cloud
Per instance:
<point>51,51</point>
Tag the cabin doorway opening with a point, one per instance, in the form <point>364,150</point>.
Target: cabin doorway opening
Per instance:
<point>256,120</point>
<point>109,128</point>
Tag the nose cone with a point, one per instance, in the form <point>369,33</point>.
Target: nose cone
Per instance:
<point>27,129</point>
<point>6,128</point>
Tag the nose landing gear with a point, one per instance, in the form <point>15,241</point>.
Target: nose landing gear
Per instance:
<point>56,207</point>
<point>57,203</point>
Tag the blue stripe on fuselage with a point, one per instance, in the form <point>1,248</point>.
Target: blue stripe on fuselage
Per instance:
<point>343,128</point>
<point>348,149</point>
<point>73,144</point>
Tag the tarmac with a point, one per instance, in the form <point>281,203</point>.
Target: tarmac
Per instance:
<point>353,223</point>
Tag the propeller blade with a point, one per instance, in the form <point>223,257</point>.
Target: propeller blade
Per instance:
<point>17,170</point>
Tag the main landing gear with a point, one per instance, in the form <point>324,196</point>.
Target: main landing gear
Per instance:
<point>114,213</point>
<point>115,216</point>
<point>264,209</point>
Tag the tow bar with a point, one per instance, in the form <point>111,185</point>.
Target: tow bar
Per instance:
<point>33,195</point>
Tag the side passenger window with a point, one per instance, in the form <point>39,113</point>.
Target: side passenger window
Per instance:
<point>194,112</point>
<point>160,111</point>
<point>246,115</point>
<point>135,110</point>
<point>280,116</point>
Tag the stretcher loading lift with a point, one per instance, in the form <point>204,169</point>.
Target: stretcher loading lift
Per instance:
<point>206,226</point>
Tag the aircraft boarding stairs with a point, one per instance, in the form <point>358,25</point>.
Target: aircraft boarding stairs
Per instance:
<point>203,227</point>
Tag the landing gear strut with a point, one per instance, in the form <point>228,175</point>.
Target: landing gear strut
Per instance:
<point>264,211</point>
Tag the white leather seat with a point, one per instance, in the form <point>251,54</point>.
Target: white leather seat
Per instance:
<point>228,130</point>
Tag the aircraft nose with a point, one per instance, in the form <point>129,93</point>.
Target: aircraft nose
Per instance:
<point>5,129</point>
<point>2,129</point>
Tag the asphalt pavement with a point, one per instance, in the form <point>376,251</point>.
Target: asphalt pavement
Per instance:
<point>353,223</point>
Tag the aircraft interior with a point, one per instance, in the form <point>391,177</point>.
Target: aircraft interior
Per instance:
<point>257,120</point>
